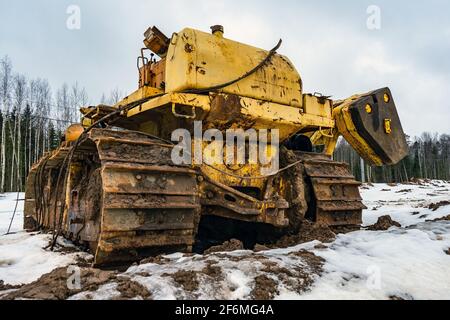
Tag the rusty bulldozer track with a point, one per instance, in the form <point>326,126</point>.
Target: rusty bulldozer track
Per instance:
<point>125,200</point>
<point>336,199</point>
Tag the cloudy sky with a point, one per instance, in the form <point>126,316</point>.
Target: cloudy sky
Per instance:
<point>329,42</point>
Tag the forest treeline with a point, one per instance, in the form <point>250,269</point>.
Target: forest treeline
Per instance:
<point>429,158</point>
<point>33,118</point>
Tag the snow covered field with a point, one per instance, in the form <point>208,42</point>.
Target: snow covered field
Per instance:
<point>407,262</point>
<point>23,258</point>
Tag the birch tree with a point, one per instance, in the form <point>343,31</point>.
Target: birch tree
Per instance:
<point>5,97</point>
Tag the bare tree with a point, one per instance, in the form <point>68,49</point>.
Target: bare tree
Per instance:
<point>63,103</point>
<point>103,99</point>
<point>78,99</point>
<point>115,96</point>
<point>19,96</point>
<point>5,96</point>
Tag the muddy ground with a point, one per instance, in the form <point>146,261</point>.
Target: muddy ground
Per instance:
<point>56,284</point>
<point>266,281</point>
<point>383,224</point>
<point>59,285</point>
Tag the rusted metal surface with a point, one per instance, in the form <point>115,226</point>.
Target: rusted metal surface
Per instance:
<point>337,200</point>
<point>122,197</point>
<point>125,199</point>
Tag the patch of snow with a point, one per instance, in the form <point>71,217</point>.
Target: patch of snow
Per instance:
<point>162,285</point>
<point>407,262</point>
<point>23,258</point>
<point>104,292</point>
<point>239,283</point>
<point>405,203</point>
<point>7,204</point>
<point>380,264</point>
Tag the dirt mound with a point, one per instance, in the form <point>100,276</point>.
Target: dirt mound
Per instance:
<point>260,247</point>
<point>392,184</point>
<point>314,262</point>
<point>187,279</point>
<point>420,182</point>
<point>4,286</point>
<point>345,229</point>
<point>212,270</point>
<point>54,285</point>
<point>446,218</point>
<point>156,260</point>
<point>130,289</point>
<point>308,232</point>
<point>227,246</point>
<point>265,288</point>
<point>403,297</point>
<point>435,206</point>
<point>404,191</point>
<point>383,224</point>
<point>298,279</point>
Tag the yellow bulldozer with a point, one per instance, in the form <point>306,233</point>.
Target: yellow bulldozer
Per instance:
<point>113,187</point>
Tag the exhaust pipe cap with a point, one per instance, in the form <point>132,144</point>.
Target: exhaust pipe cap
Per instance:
<point>217,30</point>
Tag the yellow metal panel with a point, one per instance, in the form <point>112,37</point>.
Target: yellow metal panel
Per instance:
<point>288,120</point>
<point>141,93</point>
<point>253,113</point>
<point>198,60</point>
<point>187,99</point>
<point>317,106</point>
<point>347,128</point>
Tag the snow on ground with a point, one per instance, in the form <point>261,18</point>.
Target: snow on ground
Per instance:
<point>405,203</point>
<point>23,258</point>
<point>188,277</point>
<point>409,262</point>
<point>7,204</point>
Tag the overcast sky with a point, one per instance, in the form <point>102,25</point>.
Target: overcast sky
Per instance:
<point>328,41</point>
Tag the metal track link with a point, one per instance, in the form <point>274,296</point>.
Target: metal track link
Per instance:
<point>336,198</point>
<point>124,199</point>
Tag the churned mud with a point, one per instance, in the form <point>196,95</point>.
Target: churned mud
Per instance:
<point>59,285</point>
<point>187,279</point>
<point>298,279</point>
<point>265,288</point>
<point>4,287</point>
<point>227,246</point>
<point>157,260</point>
<point>435,206</point>
<point>130,289</point>
<point>54,285</point>
<point>308,232</point>
<point>446,218</point>
<point>212,270</point>
<point>404,191</point>
<point>383,224</point>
